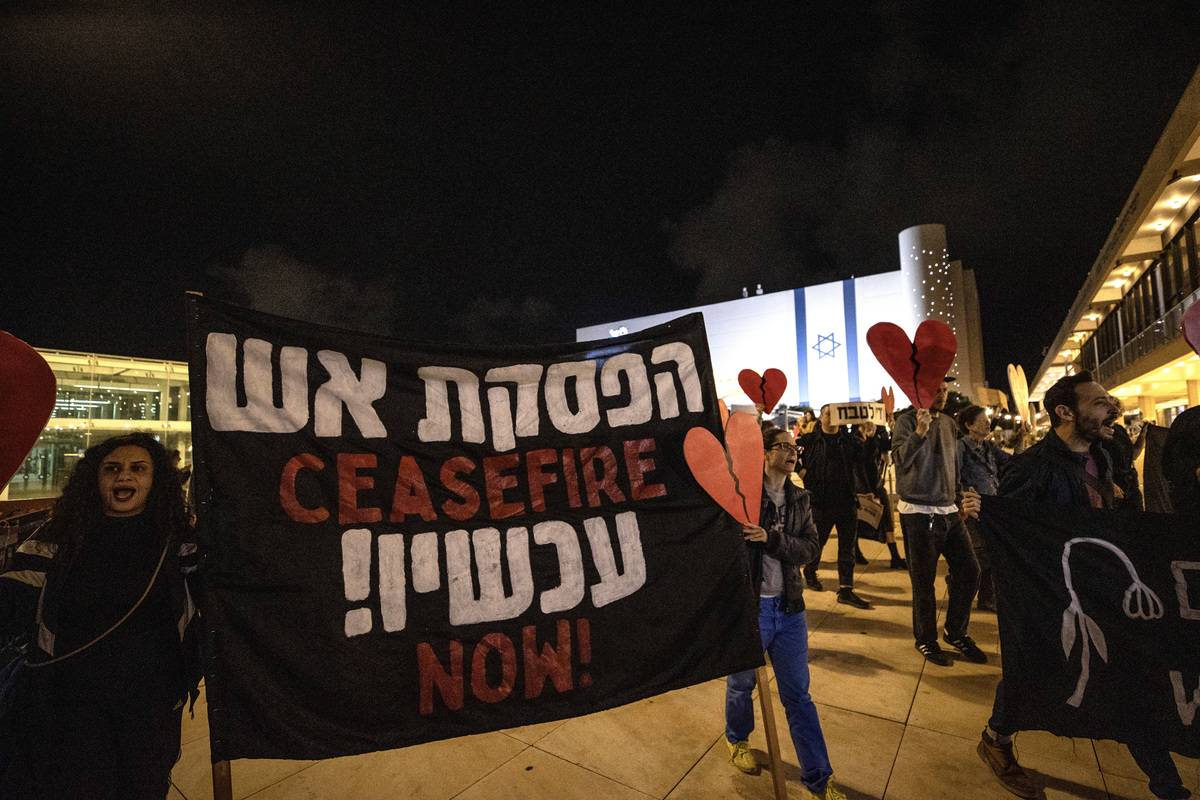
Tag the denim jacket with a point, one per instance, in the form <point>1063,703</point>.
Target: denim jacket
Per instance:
<point>979,465</point>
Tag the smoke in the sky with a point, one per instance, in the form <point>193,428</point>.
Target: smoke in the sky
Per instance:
<point>492,320</point>
<point>269,279</point>
<point>759,224</point>
<point>790,213</point>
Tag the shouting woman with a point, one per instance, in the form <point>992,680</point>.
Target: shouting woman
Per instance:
<point>99,593</point>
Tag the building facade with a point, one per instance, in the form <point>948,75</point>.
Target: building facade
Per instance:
<point>1124,325</point>
<point>941,289</point>
<point>817,334</point>
<point>101,396</point>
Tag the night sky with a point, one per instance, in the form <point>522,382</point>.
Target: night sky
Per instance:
<point>508,175</point>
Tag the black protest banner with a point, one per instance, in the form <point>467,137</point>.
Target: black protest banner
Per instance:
<point>1099,621</point>
<point>415,542</point>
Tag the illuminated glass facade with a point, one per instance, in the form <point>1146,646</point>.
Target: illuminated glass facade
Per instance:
<point>101,396</point>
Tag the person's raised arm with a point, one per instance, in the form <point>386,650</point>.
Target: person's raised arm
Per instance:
<point>910,436</point>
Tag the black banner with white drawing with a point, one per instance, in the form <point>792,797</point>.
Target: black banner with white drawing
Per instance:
<point>1099,621</point>
<point>415,542</point>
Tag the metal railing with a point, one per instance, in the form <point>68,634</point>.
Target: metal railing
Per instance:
<point>1162,331</point>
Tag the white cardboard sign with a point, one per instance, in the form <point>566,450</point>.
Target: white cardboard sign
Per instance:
<point>857,413</point>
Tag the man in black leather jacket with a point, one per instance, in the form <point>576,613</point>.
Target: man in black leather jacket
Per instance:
<point>834,471</point>
<point>1069,467</point>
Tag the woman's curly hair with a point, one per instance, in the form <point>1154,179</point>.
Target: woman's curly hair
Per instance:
<point>80,507</point>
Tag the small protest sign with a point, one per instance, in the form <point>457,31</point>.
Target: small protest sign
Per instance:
<point>858,413</point>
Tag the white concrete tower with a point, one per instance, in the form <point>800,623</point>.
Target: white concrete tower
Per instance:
<point>933,288</point>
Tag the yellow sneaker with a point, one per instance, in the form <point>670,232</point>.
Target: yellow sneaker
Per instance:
<point>831,793</point>
<point>742,758</point>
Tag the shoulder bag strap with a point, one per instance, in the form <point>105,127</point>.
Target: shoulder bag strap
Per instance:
<point>146,593</point>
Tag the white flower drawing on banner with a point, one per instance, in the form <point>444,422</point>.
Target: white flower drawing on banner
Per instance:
<point>1140,602</point>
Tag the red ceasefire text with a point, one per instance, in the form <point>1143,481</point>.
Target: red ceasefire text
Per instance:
<point>497,487</point>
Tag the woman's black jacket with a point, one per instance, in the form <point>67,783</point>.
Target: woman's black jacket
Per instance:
<point>34,565</point>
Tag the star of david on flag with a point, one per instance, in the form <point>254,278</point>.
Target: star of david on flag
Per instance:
<point>826,345</point>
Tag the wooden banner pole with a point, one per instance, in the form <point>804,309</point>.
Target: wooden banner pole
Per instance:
<point>222,779</point>
<point>768,713</point>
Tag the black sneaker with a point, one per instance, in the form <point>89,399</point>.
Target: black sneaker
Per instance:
<point>847,596</point>
<point>967,647</point>
<point>859,558</point>
<point>814,583</point>
<point>933,653</point>
<point>898,563</point>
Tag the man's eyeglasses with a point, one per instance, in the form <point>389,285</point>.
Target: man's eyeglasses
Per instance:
<point>795,448</point>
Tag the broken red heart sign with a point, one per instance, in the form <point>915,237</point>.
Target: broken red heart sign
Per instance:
<point>26,401</point>
<point>733,479</point>
<point>918,367</point>
<point>1191,326</point>
<point>764,390</point>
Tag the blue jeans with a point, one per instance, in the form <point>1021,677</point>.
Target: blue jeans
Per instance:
<point>785,638</point>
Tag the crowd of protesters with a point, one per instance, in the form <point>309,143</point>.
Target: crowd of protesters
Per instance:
<point>1086,461</point>
<point>105,586</point>
<point>943,465</point>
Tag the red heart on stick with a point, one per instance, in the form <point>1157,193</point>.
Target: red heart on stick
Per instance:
<point>919,367</point>
<point>743,440</point>
<point>26,401</point>
<point>733,479</point>
<point>765,389</point>
<point>1191,326</point>
<point>889,401</point>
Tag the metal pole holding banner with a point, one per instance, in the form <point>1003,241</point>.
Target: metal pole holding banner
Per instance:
<point>768,712</point>
<point>222,775</point>
<point>222,779</point>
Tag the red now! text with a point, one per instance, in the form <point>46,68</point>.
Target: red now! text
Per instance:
<point>539,663</point>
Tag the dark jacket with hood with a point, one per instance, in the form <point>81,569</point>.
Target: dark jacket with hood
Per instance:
<point>1051,472</point>
<point>926,466</point>
<point>795,545</point>
<point>1180,458</point>
<point>834,468</point>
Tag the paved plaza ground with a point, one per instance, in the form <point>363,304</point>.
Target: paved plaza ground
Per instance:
<point>897,729</point>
